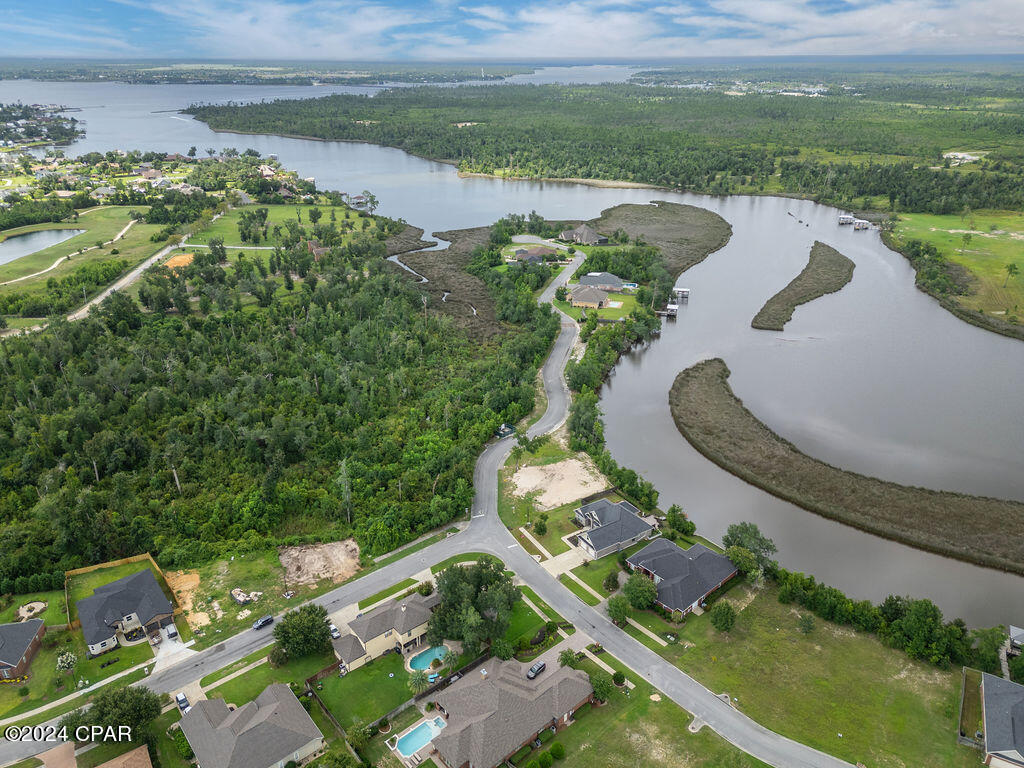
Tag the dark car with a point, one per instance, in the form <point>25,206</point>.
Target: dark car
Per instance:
<point>263,621</point>
<point>182,701</point>
<point>535,670</point>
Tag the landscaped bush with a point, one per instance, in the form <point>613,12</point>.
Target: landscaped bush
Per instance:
<point>611,582</point>
<point>618,678</point>
<point>723,616</point>
<point>277,657</point>
<point>181,744</point>
<point>545,760</point>
<point>551,627</point>
<point>540,637</point>
<point>426,588</point>
<point>521,754</point>
<point>557,750</point>
<point>545,736</point>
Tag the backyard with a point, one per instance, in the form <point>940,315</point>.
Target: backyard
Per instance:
<point>367,693</point>
<point>53,614</point>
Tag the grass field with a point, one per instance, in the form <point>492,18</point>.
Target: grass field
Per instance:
<point>890,710</point>
<point>77,701</point>
<point>465,557</point>
<point>367,693</point>
<point>714,421</point>
<point>595,571</point>
<point>827,271</point>
<point>247,687</point>
<point>392,590</point>
<point>101,224</point>
<point>53,614</point>
<point>226,227</point>
<point>234,666</point>
<point>996,239</point>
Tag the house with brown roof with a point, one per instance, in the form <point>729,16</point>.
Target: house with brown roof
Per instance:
<point>19,643</point>
<point>588,296</point>
<point>398,625</point>
<point>63,756</point>
<point>272,730</point>
<point>492,712</point>
<point>584,234</point>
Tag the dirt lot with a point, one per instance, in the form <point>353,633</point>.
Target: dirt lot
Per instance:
<point>559,483</point>
<point>184,585</point>
<point>336,560</point>
<point>179,260</point>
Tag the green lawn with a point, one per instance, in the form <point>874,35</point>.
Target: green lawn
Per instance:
<point>84,584</point>
<point>626,301</point>
<point>996,239</point>
<point>234,666</point>
<point>971,716</point>
<point>549,612</point>
<point>245,688</point>
<point>632,730</point>
<point>465,557</point>
<point>577,590</point>
<point>52,615</point>
<point>78,701</point>
<point>524,623</point>
<point>890,710</point>
<point>226,227</point>
<point>367,693</point>
<point>595,571</point>
<point>393,589</point>
<point>377,751</point>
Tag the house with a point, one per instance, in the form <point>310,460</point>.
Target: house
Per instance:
<point>584,234</point>
<point>151,173</point>
<point>685,577</point>
<point>19,643</point>
<point>267,171</point>
<point>610,527</point>
<point>1002,711</point>
<point>588,296</point>
<point>272,730</point>
<point>605,281</point>
<point>63,756</point>
<point>535,254</point>
<point>101,193</point>
<point>397,625</point>
<point>494,711</point>
<point>130,606</point>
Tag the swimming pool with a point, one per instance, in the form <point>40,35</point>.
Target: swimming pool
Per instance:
<point>421,660</point>
<point>416,739</point>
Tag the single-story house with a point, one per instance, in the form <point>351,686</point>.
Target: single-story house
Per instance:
<point>1002,709</point>
<point>19,643</point>
<point>268,732</point>
<point>685,577</point>
<point>588,296</point>
<point>101,193</point>
<point>123,606</point>
<point>535,254</point>
<point>63,756</point>
<point>584,234</point>
<point>266,171</point>
<point>1016,640</point>
<point>604,281</point>
<point>398,625</point>
<point>494,711</point>
<point>610,527</point>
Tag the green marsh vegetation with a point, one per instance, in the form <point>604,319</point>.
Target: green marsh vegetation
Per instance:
<point>827,271</point>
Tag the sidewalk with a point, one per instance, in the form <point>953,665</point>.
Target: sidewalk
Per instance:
<point>647,632</point>
<point>540,547</point>
<point>584,584</point>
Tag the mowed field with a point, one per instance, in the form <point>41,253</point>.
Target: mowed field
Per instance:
<point>101,225</point>
<point>996,239</point>
<point>226,227</point>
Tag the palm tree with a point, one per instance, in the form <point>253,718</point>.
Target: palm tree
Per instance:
<point>1012,270</point>
<point>451,658</point>
<point>418,681</point>
<point>567,658</point>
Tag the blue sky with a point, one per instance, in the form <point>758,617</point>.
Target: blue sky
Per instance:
<point>518,30</point>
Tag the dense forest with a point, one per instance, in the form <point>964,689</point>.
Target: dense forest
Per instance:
<point>335,405</point>
<point>696,139</point>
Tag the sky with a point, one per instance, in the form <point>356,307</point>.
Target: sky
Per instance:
<point>544,30</point>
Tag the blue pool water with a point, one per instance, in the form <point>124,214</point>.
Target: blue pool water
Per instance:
<point>419,737</point>
<point>421,660</point>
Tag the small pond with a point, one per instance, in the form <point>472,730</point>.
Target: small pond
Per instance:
<point>24,245</point>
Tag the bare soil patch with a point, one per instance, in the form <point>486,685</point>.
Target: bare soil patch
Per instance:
<point>308,564</point>
<point>179,260</point>
<point>559,483</point>
<point>185,584</point>
<point>976,529</point>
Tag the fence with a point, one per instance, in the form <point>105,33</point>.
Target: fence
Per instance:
<point>113,564</point>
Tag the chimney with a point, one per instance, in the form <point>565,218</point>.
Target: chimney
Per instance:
<point>483,673</point>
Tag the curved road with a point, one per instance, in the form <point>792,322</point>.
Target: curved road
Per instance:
<point>486,533</point>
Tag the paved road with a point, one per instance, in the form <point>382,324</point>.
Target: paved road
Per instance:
<point>487,534</point>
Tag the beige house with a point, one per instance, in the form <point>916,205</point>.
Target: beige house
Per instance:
<point>123,612</point>
<point>398,625</point>
<point>588,296</point>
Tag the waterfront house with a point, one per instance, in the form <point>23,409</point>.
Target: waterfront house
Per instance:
<point>493,711</point>
<point>588,296</point>
<point>684,577</point>
<point>19,643</point>
<point>123,611</point>
<point>584,234</point>
<point>604,281</point>
<point>398,625</point>
<point>269,732</point>
<point>534,254</point>
<point>610,527</point>
<point>1002,711</point>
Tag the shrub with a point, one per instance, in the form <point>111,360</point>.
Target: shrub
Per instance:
<point>611,582</point>
<point>23,690</point>
<point>618,678</point>
<point>552,627</point>
<point>603,685</point>
<point>278,656</point>
<point>533,764</point>
<point>557,751</point>
<point>502,648</point>
<point>181,744</point>
<point>806,623</point>
<point>426,588</point>
<point>640,591</point>
<point>540,526</point>
<point>723,616</point>
<point>545,760</point>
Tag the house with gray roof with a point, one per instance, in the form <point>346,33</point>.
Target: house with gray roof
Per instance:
<point>1002,708</point>
<point>604,281</point>
<point>584,234</point>
<point>268,732</point>
<point>493,711</point>
<point>685,577</point>
<point>398,625</point>
<point>122,607</point>
<point>610,527</point>
<point>1016,640</point>
<point>19,643</point>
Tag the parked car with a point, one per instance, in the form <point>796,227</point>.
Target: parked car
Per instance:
<point>504,431</point>
<point>535,670</point>
<point>335,632</point>
<point>263,621</point>
<point>172,631</point>
<point>182,701</point>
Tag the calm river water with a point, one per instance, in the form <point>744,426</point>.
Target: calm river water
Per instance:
<point>876,378</point>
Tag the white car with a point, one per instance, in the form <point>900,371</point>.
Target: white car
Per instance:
<point>182,701</point>
<point>335,632</point>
